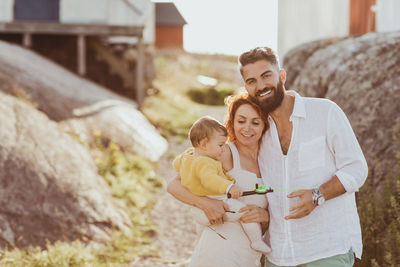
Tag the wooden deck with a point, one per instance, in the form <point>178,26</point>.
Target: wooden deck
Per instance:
<point>28,28</point>
<point>73,29</point>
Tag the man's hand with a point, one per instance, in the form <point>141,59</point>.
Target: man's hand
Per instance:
<point>214,210</point>
<point>235,191</point>
<point>302,208</point>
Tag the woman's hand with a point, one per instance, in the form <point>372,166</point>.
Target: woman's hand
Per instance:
<point>214,209</point>
<point>253,213</point>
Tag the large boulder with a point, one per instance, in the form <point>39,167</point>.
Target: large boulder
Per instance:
<point>49,186</point>
<point>55,90</point>
<point>120,122</point>
<point>301,54</point>
<point>62,95</point>
<point>362,75</point>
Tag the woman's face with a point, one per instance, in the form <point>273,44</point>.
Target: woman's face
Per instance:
<point>247,125</point>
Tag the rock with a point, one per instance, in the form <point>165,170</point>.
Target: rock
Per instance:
<point>55,90</point>
<point>49,186</point>
<point>120,122</point>
<point>301,54</point>
<point>362,75</point>
<point>58,93</point>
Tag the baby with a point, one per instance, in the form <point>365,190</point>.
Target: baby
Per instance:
<point>202,174</point>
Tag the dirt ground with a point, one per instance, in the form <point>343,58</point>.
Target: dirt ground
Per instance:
<point>176,236</point>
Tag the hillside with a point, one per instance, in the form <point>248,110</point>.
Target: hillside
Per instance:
<point>172,109</point>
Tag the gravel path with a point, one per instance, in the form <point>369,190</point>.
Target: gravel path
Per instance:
<point>176,237</point>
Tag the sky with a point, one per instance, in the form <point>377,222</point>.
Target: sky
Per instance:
<point>228,26</point>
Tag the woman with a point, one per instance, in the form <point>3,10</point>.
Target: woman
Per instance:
<point>225,244</point>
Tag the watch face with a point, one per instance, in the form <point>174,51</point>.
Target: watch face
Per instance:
<point>321,200</point>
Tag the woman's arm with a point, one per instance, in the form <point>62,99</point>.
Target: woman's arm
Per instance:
<point>253,213</point>
<point>213,209</point>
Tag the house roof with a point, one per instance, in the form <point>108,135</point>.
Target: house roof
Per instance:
<point>168,15</point>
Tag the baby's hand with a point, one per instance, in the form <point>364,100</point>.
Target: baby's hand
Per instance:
<point>235,191</point>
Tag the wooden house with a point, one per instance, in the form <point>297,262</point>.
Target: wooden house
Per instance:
<point>80,29</point>
<point>169,26</point>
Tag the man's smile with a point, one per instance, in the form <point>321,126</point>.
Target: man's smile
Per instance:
<point>264,92</point>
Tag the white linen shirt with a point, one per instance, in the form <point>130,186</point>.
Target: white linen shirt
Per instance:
<point>322,145</point>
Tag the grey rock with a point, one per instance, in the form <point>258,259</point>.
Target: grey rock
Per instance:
<point>295,58</point>
<point>62,95</point>
<point>362,75</point>
<point>120,122</point>
<point>49,186</point>
<point>55,90</point>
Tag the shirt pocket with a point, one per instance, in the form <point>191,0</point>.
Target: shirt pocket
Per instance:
<point>312,154</point>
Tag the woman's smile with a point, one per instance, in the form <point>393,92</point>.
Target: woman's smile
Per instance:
<point>248,125</point>
<point>247,135</point>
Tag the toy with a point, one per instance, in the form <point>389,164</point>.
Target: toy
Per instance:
<point>260,189</point>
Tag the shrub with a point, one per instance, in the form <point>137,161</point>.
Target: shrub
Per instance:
<point>210,95</point>
<point>133,183</point>
<point>172,117</point>
<point>379,211</point>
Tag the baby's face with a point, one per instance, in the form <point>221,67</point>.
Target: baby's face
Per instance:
<point>215,145</point>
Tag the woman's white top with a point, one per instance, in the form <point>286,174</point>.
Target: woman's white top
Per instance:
<point>212,250</point>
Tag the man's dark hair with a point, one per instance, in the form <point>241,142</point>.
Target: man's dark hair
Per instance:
<point>256,54</point>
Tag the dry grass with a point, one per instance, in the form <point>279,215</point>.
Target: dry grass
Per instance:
<point>171,110</point>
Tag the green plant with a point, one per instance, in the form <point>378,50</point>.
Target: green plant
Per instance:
<point>379,211</point>
<point>133,183</point>
<point>172,110</point>
<point>173,117</point>
<point>22,95</point>
<point>57,254</point>
<point>210,95</point>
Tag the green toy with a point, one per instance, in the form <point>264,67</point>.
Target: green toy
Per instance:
<point>260,189</point>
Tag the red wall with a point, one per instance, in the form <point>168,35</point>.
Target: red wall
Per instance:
<point>169,37</point>
<point>362,19</point>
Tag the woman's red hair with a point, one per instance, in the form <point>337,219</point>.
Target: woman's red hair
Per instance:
<point>233,103</point>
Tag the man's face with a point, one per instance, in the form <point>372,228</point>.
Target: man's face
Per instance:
<point>264,84</point>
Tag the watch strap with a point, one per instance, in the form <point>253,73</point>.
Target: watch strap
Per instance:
<point>316,194</point>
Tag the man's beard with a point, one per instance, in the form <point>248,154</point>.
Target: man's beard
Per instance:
<point>270,104</point>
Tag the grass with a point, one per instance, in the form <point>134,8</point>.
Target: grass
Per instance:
<point>133,183</point>
<point>379,212</point>
<point>171,110</point>
<point>132,179</point>
<point>210,95</point>
<point>173,117</point>
<point>24,96</point>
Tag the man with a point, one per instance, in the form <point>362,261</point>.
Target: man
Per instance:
<point>310,149</point>
<point>311,157</point>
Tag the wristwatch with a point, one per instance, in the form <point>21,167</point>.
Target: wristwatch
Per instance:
<point>317,197</point>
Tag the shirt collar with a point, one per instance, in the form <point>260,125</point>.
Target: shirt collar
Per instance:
<point>299,109</point>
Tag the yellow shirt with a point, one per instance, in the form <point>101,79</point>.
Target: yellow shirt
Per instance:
<point>202,175</point>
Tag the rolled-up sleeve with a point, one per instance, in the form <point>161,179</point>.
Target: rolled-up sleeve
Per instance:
<point>211,178</point>
<point>352,169</point>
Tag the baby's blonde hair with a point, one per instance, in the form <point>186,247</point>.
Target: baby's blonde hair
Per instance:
<point>204,128</point>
